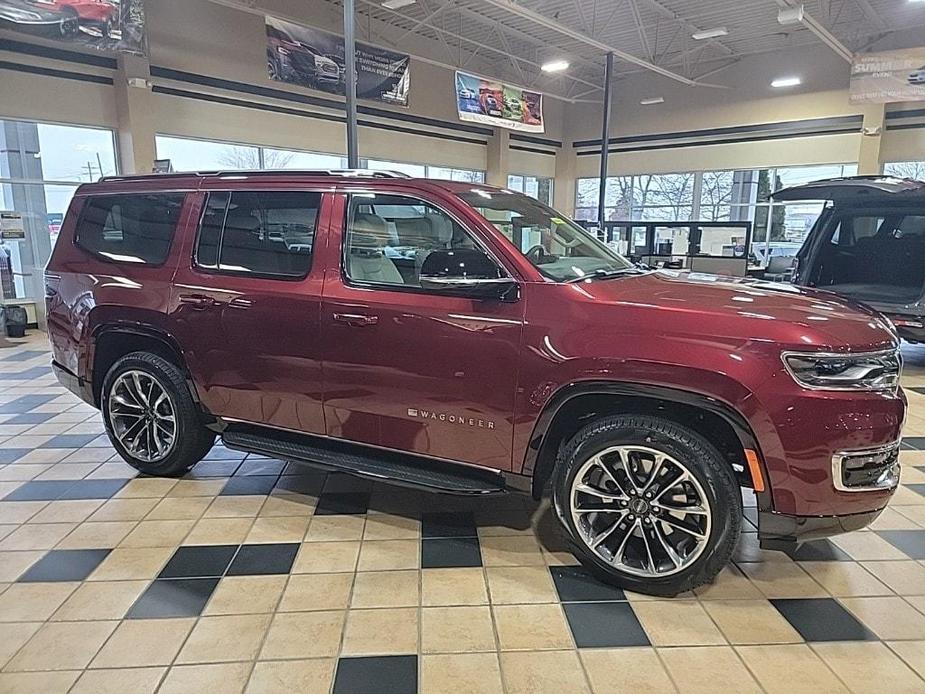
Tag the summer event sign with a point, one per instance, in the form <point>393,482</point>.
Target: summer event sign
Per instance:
<point>881,78</point>
<point>484,101</point>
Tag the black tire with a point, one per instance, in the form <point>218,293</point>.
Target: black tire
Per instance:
<point>702,460</point>
<point>70,26</point>
<point>192,439</point>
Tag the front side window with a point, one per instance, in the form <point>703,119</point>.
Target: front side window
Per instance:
<point>556,246</point>
<point>390,236</point>
<point>130,228</point>
<point>262,233</point>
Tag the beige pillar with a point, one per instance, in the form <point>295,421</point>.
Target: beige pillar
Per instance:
<point>566,174</point>
<point>498,155</point>
<point>869,153</point>
<point>135,113</point>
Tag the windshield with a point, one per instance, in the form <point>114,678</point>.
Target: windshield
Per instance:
<point>557,247</point>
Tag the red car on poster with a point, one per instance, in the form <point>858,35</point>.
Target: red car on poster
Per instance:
<point>99,14</point>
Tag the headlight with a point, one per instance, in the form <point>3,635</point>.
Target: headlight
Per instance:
<point>862,371</point>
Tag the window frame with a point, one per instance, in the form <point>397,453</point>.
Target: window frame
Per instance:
<point>218,255</point>
<point>416,289</point>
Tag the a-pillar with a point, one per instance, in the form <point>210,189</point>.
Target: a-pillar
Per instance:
<point>497,167</point>
<point>135,112</point>
<point>869,153</point>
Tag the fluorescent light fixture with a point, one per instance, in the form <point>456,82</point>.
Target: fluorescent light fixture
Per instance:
<point>786,82</point>
<point>554,66</point>
<point>790,15</point>
<point>652,100</point>
<point>709,33</point>
<point>396,4</point>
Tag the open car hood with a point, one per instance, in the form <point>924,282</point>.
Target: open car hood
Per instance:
<point>856,189</point>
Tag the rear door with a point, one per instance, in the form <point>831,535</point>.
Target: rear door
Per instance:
<point>246,304</point>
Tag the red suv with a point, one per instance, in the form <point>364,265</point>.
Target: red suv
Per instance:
<point>471,340</point>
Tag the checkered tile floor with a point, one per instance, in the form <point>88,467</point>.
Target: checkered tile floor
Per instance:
<point>251,574</point>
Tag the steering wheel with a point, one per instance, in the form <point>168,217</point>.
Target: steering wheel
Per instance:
<point>536,253</point>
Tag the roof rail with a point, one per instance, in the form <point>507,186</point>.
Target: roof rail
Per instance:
<point>247,173</point>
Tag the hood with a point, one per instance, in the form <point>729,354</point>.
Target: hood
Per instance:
<point>692,304</point>
<point>856,189</point>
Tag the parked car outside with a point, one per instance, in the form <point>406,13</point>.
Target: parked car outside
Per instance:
<point>37,18</point>
<point>503,348</point>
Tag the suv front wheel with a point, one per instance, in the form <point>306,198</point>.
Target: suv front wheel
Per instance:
<point>150,416</point>
<point>647,504</point>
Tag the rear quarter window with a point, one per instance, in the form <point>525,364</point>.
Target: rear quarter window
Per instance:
<point>132,228</point>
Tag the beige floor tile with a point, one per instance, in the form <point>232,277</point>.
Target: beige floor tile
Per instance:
<point>917,601</point>
<point>520,584</point>
<point>15,636</point>
<point>179,508</point>
<point>904,577</point>
<point>891,519</point>
<point>381,632</point>
<point>22,472</point>
<point>782,580</point>
<point>913,652</point>
<point>625,670</point>
<point>511,550</point>
<point>729,584</point>
<point>20,511</point>
<point>185,488</point>
<point>246,595</point>
<point>326,557</point>
<point>97,535</point>
<point>914,513</point>
<point>24,602</point>
<point>384,526</point>
<point>472,673</point>
<point>36,536</point>
<point>386,589</point>
<point>845,578</point>
<point>14,564</point>
<point>143,680</point>
<point>225,638</point>
<point>235,507</point>
<point>158,533</point>
<point>278,529</point>
<point>147,488</point>
<point>316,592</point>
<point>869,666</point>
<point>219,531</point>
<point>677,623</point>
<point>37,682</point>
<point>100,600</point>
<point>867,546</point>
<point>544,672</point>
<point>144,642</point>
<point>751,622</point>
<point>463,586</point>
<point>790,669</point>
<point>115,470</point>
<point>455,629</point>
<point>68,471</point>
<point>67,511</point>
<point>228,678</point>
<point>335,528</point>
<point>62,646</point>
<point>287,676</point>
<point>888,618</point>
<point>288,504</point>
<point>531,627</point>
<point>383,555</point>
<point>708,670</point>
<point>123,510</point>
<point>125,563</point>
<point>304,635</point>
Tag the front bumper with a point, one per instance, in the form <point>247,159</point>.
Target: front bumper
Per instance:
<point>781,531</point>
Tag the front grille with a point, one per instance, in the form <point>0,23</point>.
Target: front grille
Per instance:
<point>866,470</point>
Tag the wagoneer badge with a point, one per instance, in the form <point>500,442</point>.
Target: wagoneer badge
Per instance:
<point>451,418</point>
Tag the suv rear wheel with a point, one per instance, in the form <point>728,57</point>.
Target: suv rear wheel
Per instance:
<point>150,416</point>
<point>647,504</point>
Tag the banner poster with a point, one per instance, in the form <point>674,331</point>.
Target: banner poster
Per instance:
<point>106,25</point>
<point>882,78</point>
<point>493,103</point>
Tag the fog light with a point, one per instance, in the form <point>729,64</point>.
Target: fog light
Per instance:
<point>866,470</point>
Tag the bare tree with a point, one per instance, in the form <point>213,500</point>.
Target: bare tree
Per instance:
<point>906,169</point>
<point>237,157</point>
<point>716,196</point>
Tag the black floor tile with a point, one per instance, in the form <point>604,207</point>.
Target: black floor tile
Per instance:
<point>450,552</point>
<point>40,490</point>
<point>576,584</point>
<point>69,441</point>
<point>93,489</point>
<point>604,625</point>
<point>254,560</point>
<point>822,619</point>
<point>214,468</point>
<point>222,453</point>
<point>395,674</point>
<point>917,442</point>
<point>26,375</point>
<point>918,389</point>
<point>260,466</point>
<point>197,561</point>
<point>25,355</point>
<point>176,597</point>
<point>241,486</point>
<point>308,483</point>
<point>917,488</point>
<point>25,403</point>
<point>910,542</point>
<point>818,550</point>
<point>65,565</point>
<point>342,503</point>
<point>448,525</point>
<point>11,455</point>
<point>31,418</point>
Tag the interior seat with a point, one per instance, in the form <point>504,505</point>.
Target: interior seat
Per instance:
<point>366,261</point>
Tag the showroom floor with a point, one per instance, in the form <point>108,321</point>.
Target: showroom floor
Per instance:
<point>253,573</point>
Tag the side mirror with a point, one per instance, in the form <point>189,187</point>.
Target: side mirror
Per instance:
<point>466,272</point>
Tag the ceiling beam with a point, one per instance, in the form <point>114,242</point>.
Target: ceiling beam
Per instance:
<point>815,26</point>
<point>872,15</point>
<point>690,27</point>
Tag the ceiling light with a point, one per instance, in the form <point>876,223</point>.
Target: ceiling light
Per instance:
<point>790,15</point>
<point>653,100</point>
<point>709,33</point>
<point>786,82</point>
<point>554,66</point>
<point>396,4</point>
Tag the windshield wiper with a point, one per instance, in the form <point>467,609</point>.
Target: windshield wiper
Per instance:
<point>606,274</point>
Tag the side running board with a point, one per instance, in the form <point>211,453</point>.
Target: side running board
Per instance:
<point>407,470</point>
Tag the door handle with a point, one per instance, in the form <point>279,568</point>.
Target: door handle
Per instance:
<point>198,302</point>
<point>240,303</point>
<point>357,320</point>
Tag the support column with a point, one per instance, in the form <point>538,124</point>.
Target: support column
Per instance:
<point>135,113</point>
<point>605,143</point>
<point>869,153</point>
<point>497,167</point>
<point>563,191</point>
<point>353,157</point>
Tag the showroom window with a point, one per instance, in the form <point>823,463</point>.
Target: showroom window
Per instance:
<point>425,170</point>
<point>537,187</point>
<point>906,169</point>
<point>189,154</point>
<point>41,165</point>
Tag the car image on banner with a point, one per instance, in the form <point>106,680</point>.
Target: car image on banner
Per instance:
<point>108,25</point>
<point>485,101</point>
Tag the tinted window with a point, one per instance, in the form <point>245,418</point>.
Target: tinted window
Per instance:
<point>130,228</point>
<point>267,233</point>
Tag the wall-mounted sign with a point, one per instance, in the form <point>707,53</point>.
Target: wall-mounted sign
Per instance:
<point>11,226</point>
<point>107,25</point>
<point>881,78</point>
<point>313,58</point>
<point>484,101</point>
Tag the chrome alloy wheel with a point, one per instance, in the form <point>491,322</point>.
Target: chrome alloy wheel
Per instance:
<point>142,416</point>
<point>640,510</point>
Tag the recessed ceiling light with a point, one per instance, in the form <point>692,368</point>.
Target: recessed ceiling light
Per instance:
<point>554,66</point>
<point>653,100</point>
<point>786,82</point>
<point>709,33</point>
<point>396,4</point>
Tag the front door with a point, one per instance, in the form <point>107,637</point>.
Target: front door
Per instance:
<point>409,368</point>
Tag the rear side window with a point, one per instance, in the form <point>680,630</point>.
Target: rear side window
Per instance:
<point>267,233</point>
<point>136,228</point>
